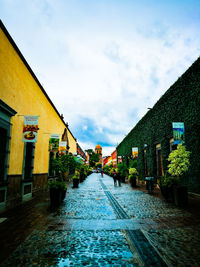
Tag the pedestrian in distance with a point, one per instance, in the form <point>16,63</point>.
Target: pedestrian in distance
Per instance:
<point>118,179</point>
<point>114,174</point>
<point>101,173</point>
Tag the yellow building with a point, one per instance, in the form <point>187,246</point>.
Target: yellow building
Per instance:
<point>24,166</point>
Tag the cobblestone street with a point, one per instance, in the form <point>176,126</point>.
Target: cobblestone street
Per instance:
<point>102,225</point>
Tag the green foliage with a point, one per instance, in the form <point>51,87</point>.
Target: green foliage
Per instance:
<point>179,161</point>
<point>76,175</point>
<point>98,165</point>
<point>169,181</point>
<point>111,171</point>
<point>180,103</point>
<point>133,163</point>
<point>93,157</point>
<point>133,173</point>
<point>107,168</point>
<point>64,163</point>
<point>122,169</point>
<point>57,184</point>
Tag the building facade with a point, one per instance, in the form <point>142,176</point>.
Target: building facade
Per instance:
<point>114,158</point>
<point>81,153</point>
<point>98,150</point>
<point>153,134</point>
<point>25,166</point>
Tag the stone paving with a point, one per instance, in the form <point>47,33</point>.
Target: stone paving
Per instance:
<point>85,231</point>
<point>174,232</point>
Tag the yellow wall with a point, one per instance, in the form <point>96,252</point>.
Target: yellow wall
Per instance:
<point>72,143</point>
<point>19,90</point>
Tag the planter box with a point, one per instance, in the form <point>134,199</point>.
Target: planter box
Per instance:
<point>75,183</point>
<point>168,193</point>
<point>180,196</point>
<point>55,196</point>
<point>133,182</point>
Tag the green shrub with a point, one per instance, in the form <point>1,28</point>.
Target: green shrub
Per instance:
<point>179,161</point>
<point>57,184</point>
<point>122,169</point>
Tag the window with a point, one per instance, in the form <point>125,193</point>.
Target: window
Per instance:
<point>3,153</point>
<point>6,113</point>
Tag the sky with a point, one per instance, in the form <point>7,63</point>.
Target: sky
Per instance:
<point>103,63</point>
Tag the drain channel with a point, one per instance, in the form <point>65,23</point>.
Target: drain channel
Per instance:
<point>145,250</point>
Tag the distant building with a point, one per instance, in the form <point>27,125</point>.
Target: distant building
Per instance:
<point>114,158</point>
<point>105,160</point>
<point>98,150</point>
<point>81,153</point>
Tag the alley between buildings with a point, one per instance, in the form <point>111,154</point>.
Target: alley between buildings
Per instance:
<point>100,224</point>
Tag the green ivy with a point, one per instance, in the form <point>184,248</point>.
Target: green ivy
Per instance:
<point>180,103</point>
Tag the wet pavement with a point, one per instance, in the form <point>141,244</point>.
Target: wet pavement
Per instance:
<point>100,225</point>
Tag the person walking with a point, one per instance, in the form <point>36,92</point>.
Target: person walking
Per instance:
<point>114,174</point>
<point>101,172</point>
<point>118,178</point>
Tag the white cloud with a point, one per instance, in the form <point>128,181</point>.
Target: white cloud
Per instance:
<point>108,69</point>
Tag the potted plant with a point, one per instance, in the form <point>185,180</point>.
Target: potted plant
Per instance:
<point>133,175</point>
<point>123,171</point>
<point>57,190</point>
<point>61,166</point>
<point>166,187</point>
<point>179,164</point>
<point>82,174</point>
<point>75,179</point>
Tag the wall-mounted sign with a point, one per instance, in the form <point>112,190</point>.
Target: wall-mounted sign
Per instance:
<point>30,128</point>
<point>178,132</point>
<point>54,142</point>
<point>135,152</point>
<point>63,146</point>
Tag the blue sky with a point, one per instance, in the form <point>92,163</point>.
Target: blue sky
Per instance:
<point>104,62</point>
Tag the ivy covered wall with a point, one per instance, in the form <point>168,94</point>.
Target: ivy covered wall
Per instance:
<point>180,103</point>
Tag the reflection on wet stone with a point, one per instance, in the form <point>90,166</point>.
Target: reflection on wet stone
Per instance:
<point>86,231</point>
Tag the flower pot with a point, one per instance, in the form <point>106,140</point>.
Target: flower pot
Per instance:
<point>133,181</point>
<point>55,196</point>
<point>75,183</point>
<point>180,196</point>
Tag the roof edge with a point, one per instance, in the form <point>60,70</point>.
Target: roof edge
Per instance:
<point>31,72</point>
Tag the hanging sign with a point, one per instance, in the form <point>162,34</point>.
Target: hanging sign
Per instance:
<point>63,146</point>
<point>54,142</point>
<point>178,132</point>
<point>30,128</point>
<point>135,152</point>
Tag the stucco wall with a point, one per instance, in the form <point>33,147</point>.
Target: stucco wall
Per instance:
<point>21,92</point>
